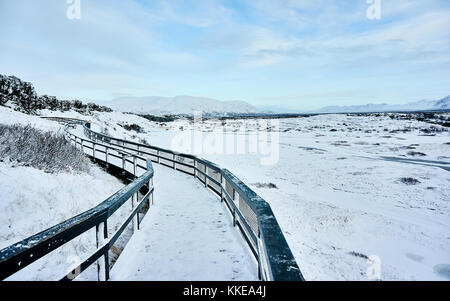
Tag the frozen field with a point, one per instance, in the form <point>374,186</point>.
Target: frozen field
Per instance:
<point>336,193</point>
<point>337,197</point>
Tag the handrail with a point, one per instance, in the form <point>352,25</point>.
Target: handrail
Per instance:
<point>251,214</point>
<point>27,251</point>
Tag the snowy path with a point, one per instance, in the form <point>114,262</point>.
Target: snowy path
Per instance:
<point>186,235</point>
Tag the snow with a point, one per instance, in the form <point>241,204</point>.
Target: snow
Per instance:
<point>441,104</point>
<point>179,105</point>
<point>187,235</point>
<point>33,200</point>
<point>9,116</point>
<point>336,194</point>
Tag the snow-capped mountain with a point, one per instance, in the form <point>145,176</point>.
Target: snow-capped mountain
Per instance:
<point>180,105</point>
<point>421,105</point>
<point>444,103</point>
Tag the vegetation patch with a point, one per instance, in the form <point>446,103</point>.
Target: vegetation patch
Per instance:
<point>410,181</point>
<point>49,151</point>
<point>133,127</point>
<point>266,185</point>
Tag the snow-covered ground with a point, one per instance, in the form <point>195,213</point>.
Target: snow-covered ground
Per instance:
<point>337,199</point>
<point>32,200</point>
<point>187,235</point>
<point>336,196</point>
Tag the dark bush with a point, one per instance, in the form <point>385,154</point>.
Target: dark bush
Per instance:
<point>132,127</point>
<point>410,181</point>
<point>47,151</point>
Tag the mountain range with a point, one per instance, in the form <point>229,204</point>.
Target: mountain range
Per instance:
<point>421,105</point>
<point>189,105</point>
<point>178,105</point>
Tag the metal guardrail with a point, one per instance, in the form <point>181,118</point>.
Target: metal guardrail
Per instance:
<point>251,214</point>
<point>27,251</point>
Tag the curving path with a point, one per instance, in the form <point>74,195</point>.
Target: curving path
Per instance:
<point>186,235</point>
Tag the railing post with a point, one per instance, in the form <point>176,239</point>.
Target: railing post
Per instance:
<point>102,263</point>
<point>206,174</point>
<point>260,273</point>
<point>195,168</point>
<point>234,209</point>
<point>107,153</point>
<point>134,201</point>
<point>174,164</point>
<point>134,166</point>
<point>150,187</point>
<point>222,186</point>
<point>157,155</point>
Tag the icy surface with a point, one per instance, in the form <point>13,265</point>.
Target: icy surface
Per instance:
<point>186,235</point>
<point>336,198</point>
<point>32,200</point>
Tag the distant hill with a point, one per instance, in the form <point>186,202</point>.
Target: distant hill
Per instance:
<point>444,103</point>
<point>421,105</point>
<point>178,105</point>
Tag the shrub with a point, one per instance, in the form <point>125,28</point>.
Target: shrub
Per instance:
<point>132,127</point>
<point>410,181</point>
<point>47,151</point>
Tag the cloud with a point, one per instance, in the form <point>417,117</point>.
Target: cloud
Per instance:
<point>227,49</point>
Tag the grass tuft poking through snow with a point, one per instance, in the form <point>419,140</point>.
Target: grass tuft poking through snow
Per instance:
<point>49,151</point>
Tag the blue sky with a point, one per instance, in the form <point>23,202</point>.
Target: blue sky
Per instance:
<point>299,54</point>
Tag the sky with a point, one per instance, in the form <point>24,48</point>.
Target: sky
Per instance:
<point>296,54</point>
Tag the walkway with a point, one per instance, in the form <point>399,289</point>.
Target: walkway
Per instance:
<point>187,235</point>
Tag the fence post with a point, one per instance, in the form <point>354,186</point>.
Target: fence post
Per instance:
<point>150,186</point>
<point>102,263</point>
<point>195,168</point>
<point>260,273</point>
<point>234,209</point>
<point>107,152</point>
<point>134,201</point>
<point>222,185</point>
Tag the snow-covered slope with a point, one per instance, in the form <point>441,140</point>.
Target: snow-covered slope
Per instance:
<point>421,105</point>
<point>443,104</point>
<point>33,200</point>
<point>180,105</point>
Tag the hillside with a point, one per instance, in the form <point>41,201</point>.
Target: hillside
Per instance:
<point>178,105</point>
<point>421,105</point>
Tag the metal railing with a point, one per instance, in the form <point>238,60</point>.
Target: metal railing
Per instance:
<point>251,214</point>
<point>27,251</point>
